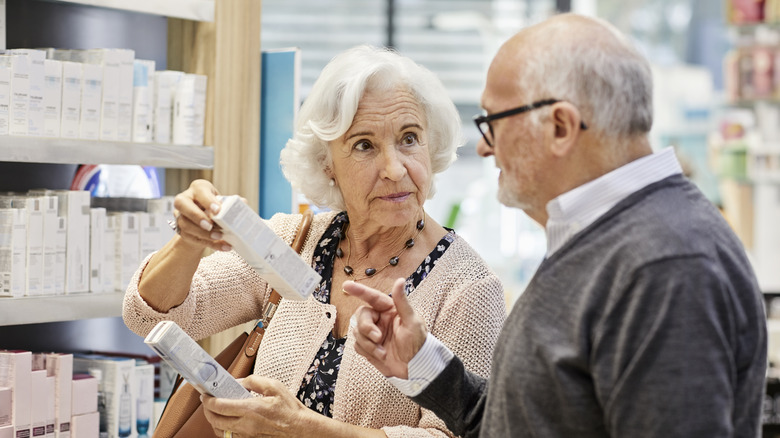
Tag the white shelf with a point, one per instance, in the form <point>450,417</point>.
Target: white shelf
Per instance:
<point>197,10</point>
<point>34,310</point>
<point>70,151</point>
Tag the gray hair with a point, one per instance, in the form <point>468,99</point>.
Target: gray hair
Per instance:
<point>609,81</point>
<point>330,108</point>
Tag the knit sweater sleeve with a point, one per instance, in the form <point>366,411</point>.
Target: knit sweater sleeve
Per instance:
<point>225,292</point>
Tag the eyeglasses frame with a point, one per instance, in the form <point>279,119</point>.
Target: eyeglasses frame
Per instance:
<point>487,118</point>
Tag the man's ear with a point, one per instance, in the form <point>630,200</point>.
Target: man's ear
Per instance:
<point>567,120</point>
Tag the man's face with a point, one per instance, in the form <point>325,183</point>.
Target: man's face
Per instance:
<point>517,142</point>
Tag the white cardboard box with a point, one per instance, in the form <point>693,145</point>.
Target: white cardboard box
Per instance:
<point>5,93</point>
<point>127,248</point>
<point>113,223</point>
<point>5,406</point>
<point>50,241</point>
<point>74,206</point>
<point>266,252</point>
<point>144,381</point>
<point>150,233</point>
<point>71,99</point>
<point>163,206</point>
<point>52,98</point>
<point>84,394</point>
<point>108,59</point>
<point>36,73</point>
<point>60,366</point>
<point>85,425</point>
<point>125,98</point>
<point>97,258</point>
<point>16,372</point>
<point>13,245</point>
<point>62,252</point>
<point>164,86</point>
<point>117,386</point>
<point>39,402</point>
<point>34,209</point>
<point>91,95</point>
<point>143,83</point>
<point>20,94</point>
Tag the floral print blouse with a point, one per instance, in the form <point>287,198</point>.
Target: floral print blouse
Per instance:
<point>319,384</point>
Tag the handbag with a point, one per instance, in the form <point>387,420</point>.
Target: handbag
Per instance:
<point>183,415</point>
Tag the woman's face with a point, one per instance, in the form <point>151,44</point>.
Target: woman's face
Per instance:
<point>381,164</point>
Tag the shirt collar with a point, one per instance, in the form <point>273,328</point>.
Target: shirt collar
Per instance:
<point>574,210</point>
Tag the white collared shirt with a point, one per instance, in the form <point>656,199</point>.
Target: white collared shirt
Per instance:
<point>568,214</point>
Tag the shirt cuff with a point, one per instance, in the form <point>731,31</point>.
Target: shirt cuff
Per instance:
<point>424,367</point>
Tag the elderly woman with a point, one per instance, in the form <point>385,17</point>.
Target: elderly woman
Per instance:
<point>372,133</point>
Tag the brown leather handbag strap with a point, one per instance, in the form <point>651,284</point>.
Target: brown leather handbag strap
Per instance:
<point>256,335</point>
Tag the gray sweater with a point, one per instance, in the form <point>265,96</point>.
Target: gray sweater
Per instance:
<point>648,323</point>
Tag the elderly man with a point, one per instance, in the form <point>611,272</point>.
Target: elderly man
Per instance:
<point>644,319</point>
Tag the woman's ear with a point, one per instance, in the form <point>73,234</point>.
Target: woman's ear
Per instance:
<point>568,128</point>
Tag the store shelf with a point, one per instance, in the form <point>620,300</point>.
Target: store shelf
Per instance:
<point>33,310</point>
<point>197,10</point>
<point>70,151</point>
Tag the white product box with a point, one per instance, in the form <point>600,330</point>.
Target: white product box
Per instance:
<point>6,432</point>
<point>164,86</point>
<point>183,124</point>
<point>20,94</point>
<point>97,235</point>
<point>201,89</point>
<point>91,95</point>
<point>36,73</point>
<point>5,93</point>
<point>266,252</point>
<point>143,81</point>
<point>74,206</point>
<point>61,259</point>
<point>128,255</point>
<point>117,386</point>
<point>13,252</point>
<point>71,99</point>
<point>34,260</point>
<point>60,366</point>
<point>163,207</point>
<point>125,99</point>
<point>144,406</point>
<point>201,370</point>
<point>52,98</point>
<point>50,235</point>
<point>5,406</point>
<point>108,59</point>
<point>113,223</point>
<point>84,393</point>
<point>38,402</point>
<point>85,425</point>
<point>50,407</point>
<point>16,373</point>
<point>150,228</point>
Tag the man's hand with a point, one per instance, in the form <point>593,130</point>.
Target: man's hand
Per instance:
<point>388,332</point>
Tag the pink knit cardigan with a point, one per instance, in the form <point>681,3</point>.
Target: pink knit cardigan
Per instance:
<point>461,300</point>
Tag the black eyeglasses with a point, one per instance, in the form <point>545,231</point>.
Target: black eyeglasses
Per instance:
<point>483,121</point>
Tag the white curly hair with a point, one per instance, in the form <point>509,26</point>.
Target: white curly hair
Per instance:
<point>330,108</point>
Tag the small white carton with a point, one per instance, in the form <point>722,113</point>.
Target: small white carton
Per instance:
<point>266,252</point>
<point>52,98</point>
<point>71,99</point>
<point>5,93</point>
<point>201,370</point>
<point>35,107</point>
<point>20,94</point>
<point>16,373</point>
<point>91,94</point>
<point>50,236</point>
<point>13,252</point>
<point>97,236</point>
<point>60,366</point>
<point>143,83</point>
<point>108,59</point>
<point>124,128</point>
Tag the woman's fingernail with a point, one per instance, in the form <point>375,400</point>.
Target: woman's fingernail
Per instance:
<point>214,208</point>
<point>206,225</point>
<point>216,235</point>
<point>226,248</point>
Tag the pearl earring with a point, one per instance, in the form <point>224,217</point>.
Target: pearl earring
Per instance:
<point>332,182</point>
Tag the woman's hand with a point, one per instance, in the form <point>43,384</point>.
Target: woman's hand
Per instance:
<point>193,209</point>
<point>275,413</point>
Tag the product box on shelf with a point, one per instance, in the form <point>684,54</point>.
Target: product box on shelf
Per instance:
<point>164,86</point>
<point>125,98</point>
<point>143,83</point>
<point>150,234</point>
<point>52,98</point>
<point>60,366</point>
<point>97,258</point>
<point>266,252</point>
<point>144,381</point>
<point>13,251</point>
<point>16,373</point>
<point>108,59</point>
<point>113,224</point>
<point>84,393</point>
<point>20,94</point>
<point>127,254</point>
<point>5,93</point>
<point>163,208</point>
<point>91,101</point>
<point>71,99</point>
<point>189,103</point>
<point>85,425</point>
<point>117,387</point>
<point>74,206</point>
<point>35,108</point>
<point>50,242</point>
<point>34,259</point>
<point>41,402</point>
<point>5,406</point>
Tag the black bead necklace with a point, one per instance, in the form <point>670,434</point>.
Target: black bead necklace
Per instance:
<point>370,272</point>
